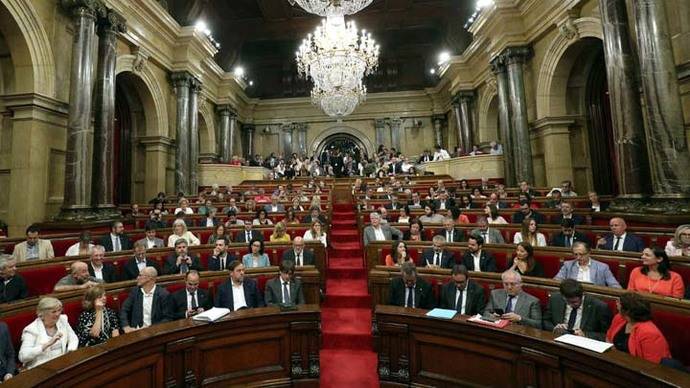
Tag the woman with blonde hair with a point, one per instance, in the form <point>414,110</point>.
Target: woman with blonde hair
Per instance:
<point>279,233</point>
<point>530,233</point>
<point>49,336</point>
<point>315,201</point>
<point>184,207</point>
<point>97,323</point>
<point>680,244</point>
<point>180,231</point>
<point>316,233</point>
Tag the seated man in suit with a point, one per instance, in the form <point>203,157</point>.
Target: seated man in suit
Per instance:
<point>450,232</point>
<point>284,289</point>
<point>12,286</point>
<point>585,269</point>
<point>410,290</point>
<point>134,265</point>
<point>568,235</point>
<point>104,272</point>
<point>298,255</point>
<point>475,258</point>
<point>569,311</point>
<point>147,304</point>
<point>488,234</point>
<point>378,231</point>
<point>437,256</point>
<point>513,304</point>
<point>8,365</point>
<point>78,279</point>
<point>191,300</point>
<point>567,214</point>
<point>151,240</point>
<point>443,202</point>
<point>393,204</point>
<point>180,261</point>
<point>221,257</point>
<point>462,294</point>
<point>526,212</point>
<point>248,234</point>
<point>274,206</point>
<point>116,240</point>
<point>415,202</point>
<point>619,239</point>
<point>33,248</point>
<point>233,220</point>
<point>238,292</point>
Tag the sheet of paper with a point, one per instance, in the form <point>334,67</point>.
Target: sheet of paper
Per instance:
<point>212,314</point>
<point>584,342</point>
<point>442,313</point>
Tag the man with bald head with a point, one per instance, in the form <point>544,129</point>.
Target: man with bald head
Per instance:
<point>298,254</point>
<point>147,304</point>
<point>78,278</point>
<point>619,239</point>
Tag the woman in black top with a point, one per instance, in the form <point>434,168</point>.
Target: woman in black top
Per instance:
<point>97,323</point>
<point>524,262</point>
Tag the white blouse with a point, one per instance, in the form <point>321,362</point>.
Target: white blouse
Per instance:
<point>189,236</point>
<point>309,237</point>
<point>541,240</point>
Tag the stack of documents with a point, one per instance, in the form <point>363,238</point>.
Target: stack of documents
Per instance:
<point>584,342</point>
<point>212,315</point>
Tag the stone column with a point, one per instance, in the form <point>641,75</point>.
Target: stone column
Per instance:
<point>396,133</point>
<point>102,178</point>
<point>234,141</point>
<point>466,98</point>
<point>458,123</point>
<point>225,138</point>
<point>438,128</point>
<point>502,89</point>
<point>626,112</point>
<point>286,140</point>
<point>666,140</point>
<point>249,138</point>
<point>181,82</point>
<point>301,135</point>
<point>78,157</point>
<point>380,125</point>
<point>515,59</point>
<point>194,89</point>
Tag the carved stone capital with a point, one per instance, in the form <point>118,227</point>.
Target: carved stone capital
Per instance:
<point>513,55</point>
<point>90,8</point>
<point>181,79</point>
<point>195,85</point>
<point>380,123</point>
<point>498,65</point>
<point>395,123</point>
<point>226,110</point>
<point>250,128</point>
<point>111,23</point>
<point>440,118</point>
<point>465,96</point>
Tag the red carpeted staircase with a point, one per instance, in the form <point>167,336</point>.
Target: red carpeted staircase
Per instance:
<point>347,357</point>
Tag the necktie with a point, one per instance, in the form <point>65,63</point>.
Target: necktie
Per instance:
<point>460,302</point>
<point>436,259</point>
<point>618,240</point>
<point>572,318</point>
<point>568,243</point>
<point>286,293</point>
<point>410,297</point>
<point>486,237</point>
<point>222,263</point>
<point>249,236</point>
<point>449,236</point>
<point>117,244</point>
<point>299,259</point>
<point>509,305</point>
<point>194,304</point>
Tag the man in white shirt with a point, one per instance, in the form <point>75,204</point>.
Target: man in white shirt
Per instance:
<point>378,231</point>
<point>151,240</point>
<point>441,154</point>
<point>462,294</point>
<point>585,269</point>
<point>238,292</point>
<point>83,246</point>
<point>146,305</point>
<point>567,189</point>
<point>104,272</point>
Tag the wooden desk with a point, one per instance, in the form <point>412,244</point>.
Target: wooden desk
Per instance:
<point>420,352</point>
<point>256,346</point>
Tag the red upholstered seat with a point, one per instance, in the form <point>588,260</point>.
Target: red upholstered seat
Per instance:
<point>72,309</point>
<point>261,282</point>
<point>204,234</point>
<point>17,323</point>
<point>175,287</point>
<point>503,259</point>
<point>41,280</point>
<point>674,326</point>
<point>550,262</point>
<point>539,293</point>
<point>61,245</point>
<point>204,255</point>
<point>613,265</point>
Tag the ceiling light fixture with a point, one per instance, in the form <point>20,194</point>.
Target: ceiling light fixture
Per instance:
<point>327,8</point>
<point>481,4</point>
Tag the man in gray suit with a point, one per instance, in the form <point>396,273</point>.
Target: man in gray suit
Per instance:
<point>274,206</point>
<point>151,240</point>
<point>585,269</point>
<point>284,289</point>
<point>513,304</point>
<point>571,312</point>
<point>378,231</point>
<point>490,235</point>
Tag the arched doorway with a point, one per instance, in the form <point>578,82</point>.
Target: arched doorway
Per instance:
<point>334,147</point>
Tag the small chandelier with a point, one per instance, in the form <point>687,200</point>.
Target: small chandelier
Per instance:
<point>337,57</point>
<point>327,8</point>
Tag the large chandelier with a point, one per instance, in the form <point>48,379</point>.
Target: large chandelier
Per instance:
<point>337,57</point>
<point>328,8</point>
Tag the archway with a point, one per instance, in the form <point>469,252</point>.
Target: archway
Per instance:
<point>319,142</point>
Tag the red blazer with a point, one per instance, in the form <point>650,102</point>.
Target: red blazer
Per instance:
<point>646,341</point>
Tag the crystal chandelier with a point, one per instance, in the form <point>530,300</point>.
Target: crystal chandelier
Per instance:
<point>337,57</point>
<point>328,8</point>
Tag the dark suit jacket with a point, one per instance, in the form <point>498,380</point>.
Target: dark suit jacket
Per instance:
<point>214,262</point>
<point>125,243</point>
<point>449,203</point>
<point>307,256</point>
<point>423,296</point>
<point>109,273</point>
<point>170,266</point>
<point>132,271</point>
<point>558,240</point>
<point>14,290</point>
<point>487,261</point>
<point>596,316</point>
<point>458,235</point>
<point>474,300</point>
<point>252,296</point>
<point>447,258</point>
<point>518,217</point>
<point>241,236</point>
<point>577,219</point>
<point>7,360</point>
<point>132,311</point>
<point>273,294</point>
<point>632,243</point>
<point>178,302</point>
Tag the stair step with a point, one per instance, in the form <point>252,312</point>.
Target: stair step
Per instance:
<point>363,341</point>
<point>346,320</point>
<point>345,232</point>
<point>346,273</point>
<point>348,246</point>
<point>347,301</point>
<point>348,368</point>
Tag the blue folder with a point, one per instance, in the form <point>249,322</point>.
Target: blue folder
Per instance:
<point>442,313</point>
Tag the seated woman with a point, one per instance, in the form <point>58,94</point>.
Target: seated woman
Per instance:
<point>180,231</point>
<point>655,275</point>
<point>219,233</point>
<point>316,233</point>
<point>159,206</point>
<point>632,330</point>
<point>315,201</point>
<point>296,204</point>
<point>456,214</point>
<point>184,207</point>
<point>477,194</point>
<point>82,247</point>
<point>49,336</point>
<point>680,244</point>
<point>430,216</point>
<point>291,217</point>
<point>97,323</point>
<point>398,255</point>
<point>492,216</point>
<point>261,218</point>
<point>256,257</point>
<point>404,216</point>
<point>279,233</point>
<point>530,233</point>
<point>464,185</point>
<point>524,262</point>
<point>416,231</point>
<point>466,202</point>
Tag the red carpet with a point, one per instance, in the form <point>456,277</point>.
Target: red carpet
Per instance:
<point>347,358</point>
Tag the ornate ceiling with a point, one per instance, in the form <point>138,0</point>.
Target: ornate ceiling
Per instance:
<point>263,35</point>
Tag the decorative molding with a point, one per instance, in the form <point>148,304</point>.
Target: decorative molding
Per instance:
<point>141,57</point>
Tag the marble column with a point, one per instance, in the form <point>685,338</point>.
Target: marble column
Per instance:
<point>194,90</point>
<point>78,154</point>
<point>515,58</point>
<point>287,140</point>
<point>666,139</point>
<point>380,125</point>
<point>181,82</point>
<point>458,123</point>
<point>301,135</point>
<point>502,89</point>
<point>104,112</point>
<point>396,133</point>
<point>249,130</point>
<point>234,143</point>
<point>626,112</point>
<point>466,99</point>
<point>225,138</point>
<point>438,128</point>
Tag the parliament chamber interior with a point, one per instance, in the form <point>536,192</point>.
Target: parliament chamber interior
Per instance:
<point>344,193</point>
